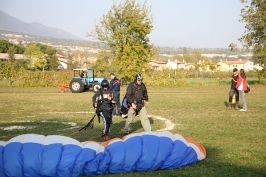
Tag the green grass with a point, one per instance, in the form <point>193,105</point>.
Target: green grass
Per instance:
<point>235,141</point>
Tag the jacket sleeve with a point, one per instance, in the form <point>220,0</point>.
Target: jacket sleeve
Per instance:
<point>95,96</point>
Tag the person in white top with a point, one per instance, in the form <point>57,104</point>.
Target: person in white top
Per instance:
<point>241,86</point>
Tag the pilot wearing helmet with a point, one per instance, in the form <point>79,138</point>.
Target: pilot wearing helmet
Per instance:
<point>103,101</point>
<point>137,97</point>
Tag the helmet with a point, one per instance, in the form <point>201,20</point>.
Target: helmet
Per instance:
<point>105,83</point>
<point>138,77</point>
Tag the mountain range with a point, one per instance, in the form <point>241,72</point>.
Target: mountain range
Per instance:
<point>13,24</point>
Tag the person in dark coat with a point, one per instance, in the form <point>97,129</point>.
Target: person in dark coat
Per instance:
<point>103,101</point>
<point>233,91</point>
<point>115,86</point>
<point>137,97</point>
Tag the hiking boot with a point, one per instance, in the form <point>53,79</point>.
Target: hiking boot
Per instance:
<point>106,138</point>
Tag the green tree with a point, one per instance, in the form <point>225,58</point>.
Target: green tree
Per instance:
<point>254,16</point>
<point>11,54</point>
<point>102,66</point>
<point>43,47</point>
<point>51,58</point>
<point>35,58</point>
<point>4,46</point>
<point>125,30</point>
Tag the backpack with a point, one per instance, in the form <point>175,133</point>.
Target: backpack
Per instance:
<point>124,108</point>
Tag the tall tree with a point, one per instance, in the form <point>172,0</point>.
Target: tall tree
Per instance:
<point>4,46</point>
<point>254,16</point>
<point>125,30</point>
<point>51,58</point>
<point>102,65</point>
<point>34,55</point>
<point>255,35</point>
<point>11,53</point>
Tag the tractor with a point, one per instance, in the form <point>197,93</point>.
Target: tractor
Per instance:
<point>83,79</point>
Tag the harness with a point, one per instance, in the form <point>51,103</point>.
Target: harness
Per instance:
<point>90,124</point>
<point>100,102</point>
<point>138,95</point>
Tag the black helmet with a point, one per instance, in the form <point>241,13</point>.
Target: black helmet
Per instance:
<point>138,77</point>
<point>105,83</point>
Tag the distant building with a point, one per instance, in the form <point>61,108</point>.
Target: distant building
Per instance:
<point>239,64</point>
<point>171,64</point>
<point>176,64</point>
<point>157,65</point>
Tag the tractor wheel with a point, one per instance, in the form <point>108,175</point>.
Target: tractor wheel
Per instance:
<point>76,86</point>
<point>95,87</point>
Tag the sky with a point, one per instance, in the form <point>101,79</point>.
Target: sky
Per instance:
<point>176,23</point>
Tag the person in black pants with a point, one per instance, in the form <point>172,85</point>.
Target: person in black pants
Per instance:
<point>233,90</point>
<point>103,101</point>
<point>115,86</point>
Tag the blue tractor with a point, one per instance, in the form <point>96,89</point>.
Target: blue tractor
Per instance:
<point>83,79</point>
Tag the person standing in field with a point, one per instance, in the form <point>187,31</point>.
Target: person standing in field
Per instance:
<point>103,101</point>
<point>137,96</point>
<point>233,91</point>
<point>241,86</point>
<point>115,86</point>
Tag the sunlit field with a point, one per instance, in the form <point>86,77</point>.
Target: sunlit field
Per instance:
<point>235,141</point>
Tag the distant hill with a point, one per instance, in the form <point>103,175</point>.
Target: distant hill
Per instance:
<point>10,23</point>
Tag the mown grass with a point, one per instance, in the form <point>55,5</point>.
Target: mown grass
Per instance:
<point>235,141</point>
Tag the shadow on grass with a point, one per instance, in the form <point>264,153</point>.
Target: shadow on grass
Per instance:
<point>211,166</point>
<point>116,130</point>
<point>226,104</point>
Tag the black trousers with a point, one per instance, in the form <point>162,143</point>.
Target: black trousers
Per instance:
<point>107,121</point>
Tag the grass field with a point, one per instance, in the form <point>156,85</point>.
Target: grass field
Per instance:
<point>235,141</point>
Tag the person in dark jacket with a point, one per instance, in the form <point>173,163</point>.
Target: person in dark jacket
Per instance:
<point>233,91</point>
<point>115,86</point>
<point>103,101</point>
<point>137,96</point>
